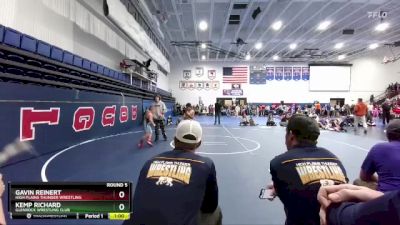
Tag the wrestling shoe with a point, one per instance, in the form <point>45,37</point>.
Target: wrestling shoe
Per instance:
<point>140,145</point>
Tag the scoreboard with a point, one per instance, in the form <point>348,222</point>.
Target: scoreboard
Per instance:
<point>65,200</point>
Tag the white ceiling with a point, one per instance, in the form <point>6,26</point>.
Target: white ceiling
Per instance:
<point>300,19</point>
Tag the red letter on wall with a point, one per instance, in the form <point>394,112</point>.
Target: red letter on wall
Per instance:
<point>108,117</point>
<point>30,117</point>
<point>123,114</point>
<point>134,112</point>
<point>83,119</point>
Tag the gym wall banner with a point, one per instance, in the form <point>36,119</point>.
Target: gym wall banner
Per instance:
<point>232,92</point>
<point>199,85</point>
<point>51,119</point>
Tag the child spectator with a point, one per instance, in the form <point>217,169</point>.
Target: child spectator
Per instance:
<point>396,111</point>
<point>323,123</point>
<point>262,110</point>
<point>252,122</point>
<point>237,110</point>
<point>189,113</point>
<point>284,120</point>
<point>375,113</point>
<point>335,125</point>
<point>244,120</point>
<point>370,120</point>
<point>169,120</point>
<point>270,121</point>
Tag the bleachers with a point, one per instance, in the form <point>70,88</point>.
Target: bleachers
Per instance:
<point>22,51</point>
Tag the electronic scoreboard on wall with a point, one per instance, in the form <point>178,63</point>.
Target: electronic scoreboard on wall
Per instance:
<point>62,200</point>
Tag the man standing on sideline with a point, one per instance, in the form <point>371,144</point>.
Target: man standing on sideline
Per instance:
<point>178,187</point>
<point>217,110</point>
<point>386,107</point>
<point>317,108</point>
<point>360,112</point>
<point>298,173</point>
<point>382,164</point>
<point>159,119</point>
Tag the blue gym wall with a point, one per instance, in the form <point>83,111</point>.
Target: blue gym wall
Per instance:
<point>53,138</point>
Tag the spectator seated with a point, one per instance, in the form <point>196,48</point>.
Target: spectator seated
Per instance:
<point>245,120</point>
<point>270,121</point>
<point>252,122</point>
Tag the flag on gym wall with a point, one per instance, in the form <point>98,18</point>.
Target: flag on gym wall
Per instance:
<point>270,71</point>
<point>278,73</point>
<point>287,73</point>
<point>305,73</point>
<point>296,73</point>
<point>258,77</point>
<point>238,74</point>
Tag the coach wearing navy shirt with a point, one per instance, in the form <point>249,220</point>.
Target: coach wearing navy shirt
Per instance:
<point>178,187</point>
<point>298,173</point>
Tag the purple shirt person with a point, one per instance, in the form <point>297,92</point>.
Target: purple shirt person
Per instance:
<point>384,160</point>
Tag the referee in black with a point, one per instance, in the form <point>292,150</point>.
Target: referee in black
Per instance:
<point>217,111</point>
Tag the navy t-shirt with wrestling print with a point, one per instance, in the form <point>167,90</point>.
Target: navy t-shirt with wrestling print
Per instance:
<point>298,174</point>
<point>172,189</point>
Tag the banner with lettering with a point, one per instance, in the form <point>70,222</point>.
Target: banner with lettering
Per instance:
<point>199,85</point>
<point>270,71</point>
<point>231,92</point>
<point>305,73</point>
<point>296,73</point>
<point>288,73</point>
<point>278,73</point>
<point>258,77</point>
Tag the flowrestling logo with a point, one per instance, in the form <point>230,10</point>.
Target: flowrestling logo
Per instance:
<point>83,119</point>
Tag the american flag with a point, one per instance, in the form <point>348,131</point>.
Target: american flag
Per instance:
<point>236,74</point>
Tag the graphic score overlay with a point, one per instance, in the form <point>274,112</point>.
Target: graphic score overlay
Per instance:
<point>62,200</point>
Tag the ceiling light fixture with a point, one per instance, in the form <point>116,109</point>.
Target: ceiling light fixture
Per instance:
<point>373,46</point>
<point>275,57</point>
<point>382,27</point>
<point>293,46</point>
<point>203,25</point>
<point>341,57</point>
<point>203,57</point>
<point>203,45</point>
<point>277,25</point>
<point>324,25</point>
<point>339,45</point>
<point>258,45</point>
<point>247,57</point>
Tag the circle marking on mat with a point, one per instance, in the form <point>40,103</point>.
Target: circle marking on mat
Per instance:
<point>258,145</point>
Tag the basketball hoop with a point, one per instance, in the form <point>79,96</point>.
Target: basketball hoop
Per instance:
<point>385,60</point>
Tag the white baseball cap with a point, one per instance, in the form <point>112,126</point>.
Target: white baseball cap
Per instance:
<point>189,131</point>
